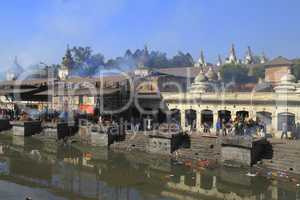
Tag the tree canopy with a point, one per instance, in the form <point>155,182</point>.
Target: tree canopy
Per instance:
<point>234,72</point>
<point>83,62</point>
<point>259,72</point>
<point>296,68</point>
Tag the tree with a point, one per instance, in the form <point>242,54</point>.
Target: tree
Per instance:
<point>81,55</point>
<point>238,73</point>
<point>296,68</point>
<point>258,72</point>
<point>182,60</point>
<point>85,62</point>
<point>158,59</point>
<point>68,60</point>
<point>128,54</point>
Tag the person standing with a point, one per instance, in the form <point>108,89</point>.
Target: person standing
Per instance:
<point>284,130</point>
<point>218,126</point>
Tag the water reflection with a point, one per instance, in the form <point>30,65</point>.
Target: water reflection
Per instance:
<point>79,172</point>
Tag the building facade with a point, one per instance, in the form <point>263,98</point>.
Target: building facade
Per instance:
<point>207,103</point>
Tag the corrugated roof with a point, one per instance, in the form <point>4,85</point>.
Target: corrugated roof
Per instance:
<point>14,91</point>
<point>190,72</point>
<point>79,92</point>
<point>113,78</point>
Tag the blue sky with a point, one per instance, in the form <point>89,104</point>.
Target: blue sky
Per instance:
<point>39,30</point>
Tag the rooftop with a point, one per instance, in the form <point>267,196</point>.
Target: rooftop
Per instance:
<point>279,61</point>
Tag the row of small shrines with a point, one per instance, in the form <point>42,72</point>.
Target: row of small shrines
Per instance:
<point>233,59</point>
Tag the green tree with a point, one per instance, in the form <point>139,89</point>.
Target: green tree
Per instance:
<point>182,60</point>
<point>85,62</point>
<point>296,68</point>
<point>258,72</point>
<point>238,73</point>
<point>158,60</point>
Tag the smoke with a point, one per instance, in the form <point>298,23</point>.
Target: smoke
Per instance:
<point>76,22</point>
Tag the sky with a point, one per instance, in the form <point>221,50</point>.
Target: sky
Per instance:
<point>39,30</point>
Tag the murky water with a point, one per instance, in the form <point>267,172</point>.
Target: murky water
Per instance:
<point>44,170</point>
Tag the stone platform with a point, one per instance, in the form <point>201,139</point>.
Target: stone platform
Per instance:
<point>201,148</point>
<point>241,150</point>
<point>283,155</point>
<point>132,141</point>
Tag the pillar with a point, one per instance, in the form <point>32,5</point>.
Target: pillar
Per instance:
<point>214,182</point>
<point>275,124</point>
<point>216,116</point>
<point>274,190</point>
<point>198,121</point>
<point>182,118</point>
<point>252,114</point>
<point>198,180</point>
<point>297,117</point>
<point>182,179</point>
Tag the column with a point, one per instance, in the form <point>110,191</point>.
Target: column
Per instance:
<point>275,124</point>
<point>198,180</point>
<point>297,117</point>
<point>182,179</point>
<point>252,114</point>
<point>198,121</point>
<point>274,190</point>
<point>182,118</point>
<point>216,116</point>
<point>214,182</point>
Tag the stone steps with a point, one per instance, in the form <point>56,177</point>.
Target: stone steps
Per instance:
<point>292,168</point>
<point>132,142</point>
<point>285,157</point>
<point>201,148</point>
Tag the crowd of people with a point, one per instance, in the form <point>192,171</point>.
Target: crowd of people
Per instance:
<point>241,126</point>
<point>249,127</point>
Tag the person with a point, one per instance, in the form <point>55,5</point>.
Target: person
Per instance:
<point>284,130</point>
<point>224,131</point>
<point>205,126</point>
<point>218,126</point>
<point>100,121</point>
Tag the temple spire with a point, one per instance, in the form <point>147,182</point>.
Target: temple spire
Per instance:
<point>249,56</point>
<point>201,62</point>
<point>66,65</point>
<point>220,62</point>
<point>232,56</point>
<point>263,58</point>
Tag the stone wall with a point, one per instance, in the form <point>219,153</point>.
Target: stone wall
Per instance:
<point>235,155</point>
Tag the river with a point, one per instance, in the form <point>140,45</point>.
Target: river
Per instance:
<point>45,170</point>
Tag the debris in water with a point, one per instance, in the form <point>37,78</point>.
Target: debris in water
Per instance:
<point>251,175</point>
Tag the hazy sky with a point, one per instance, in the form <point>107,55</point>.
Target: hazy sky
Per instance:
<point>39,30</point>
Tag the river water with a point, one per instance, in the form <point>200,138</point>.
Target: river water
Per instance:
<point>45,170</point>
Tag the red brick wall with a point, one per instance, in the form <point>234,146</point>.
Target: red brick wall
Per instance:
<point>274,74</point>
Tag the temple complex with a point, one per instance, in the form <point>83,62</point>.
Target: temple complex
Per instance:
<point>192,96</point>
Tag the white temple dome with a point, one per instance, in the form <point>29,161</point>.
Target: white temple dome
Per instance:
<point>289,77</point>
<point>200,77</point>
<point>211,74</point>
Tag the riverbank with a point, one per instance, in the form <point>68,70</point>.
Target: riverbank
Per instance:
<point>84,172</point>
<point>278,156</point>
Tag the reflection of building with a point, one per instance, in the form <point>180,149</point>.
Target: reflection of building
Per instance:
<point>208,186</point>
